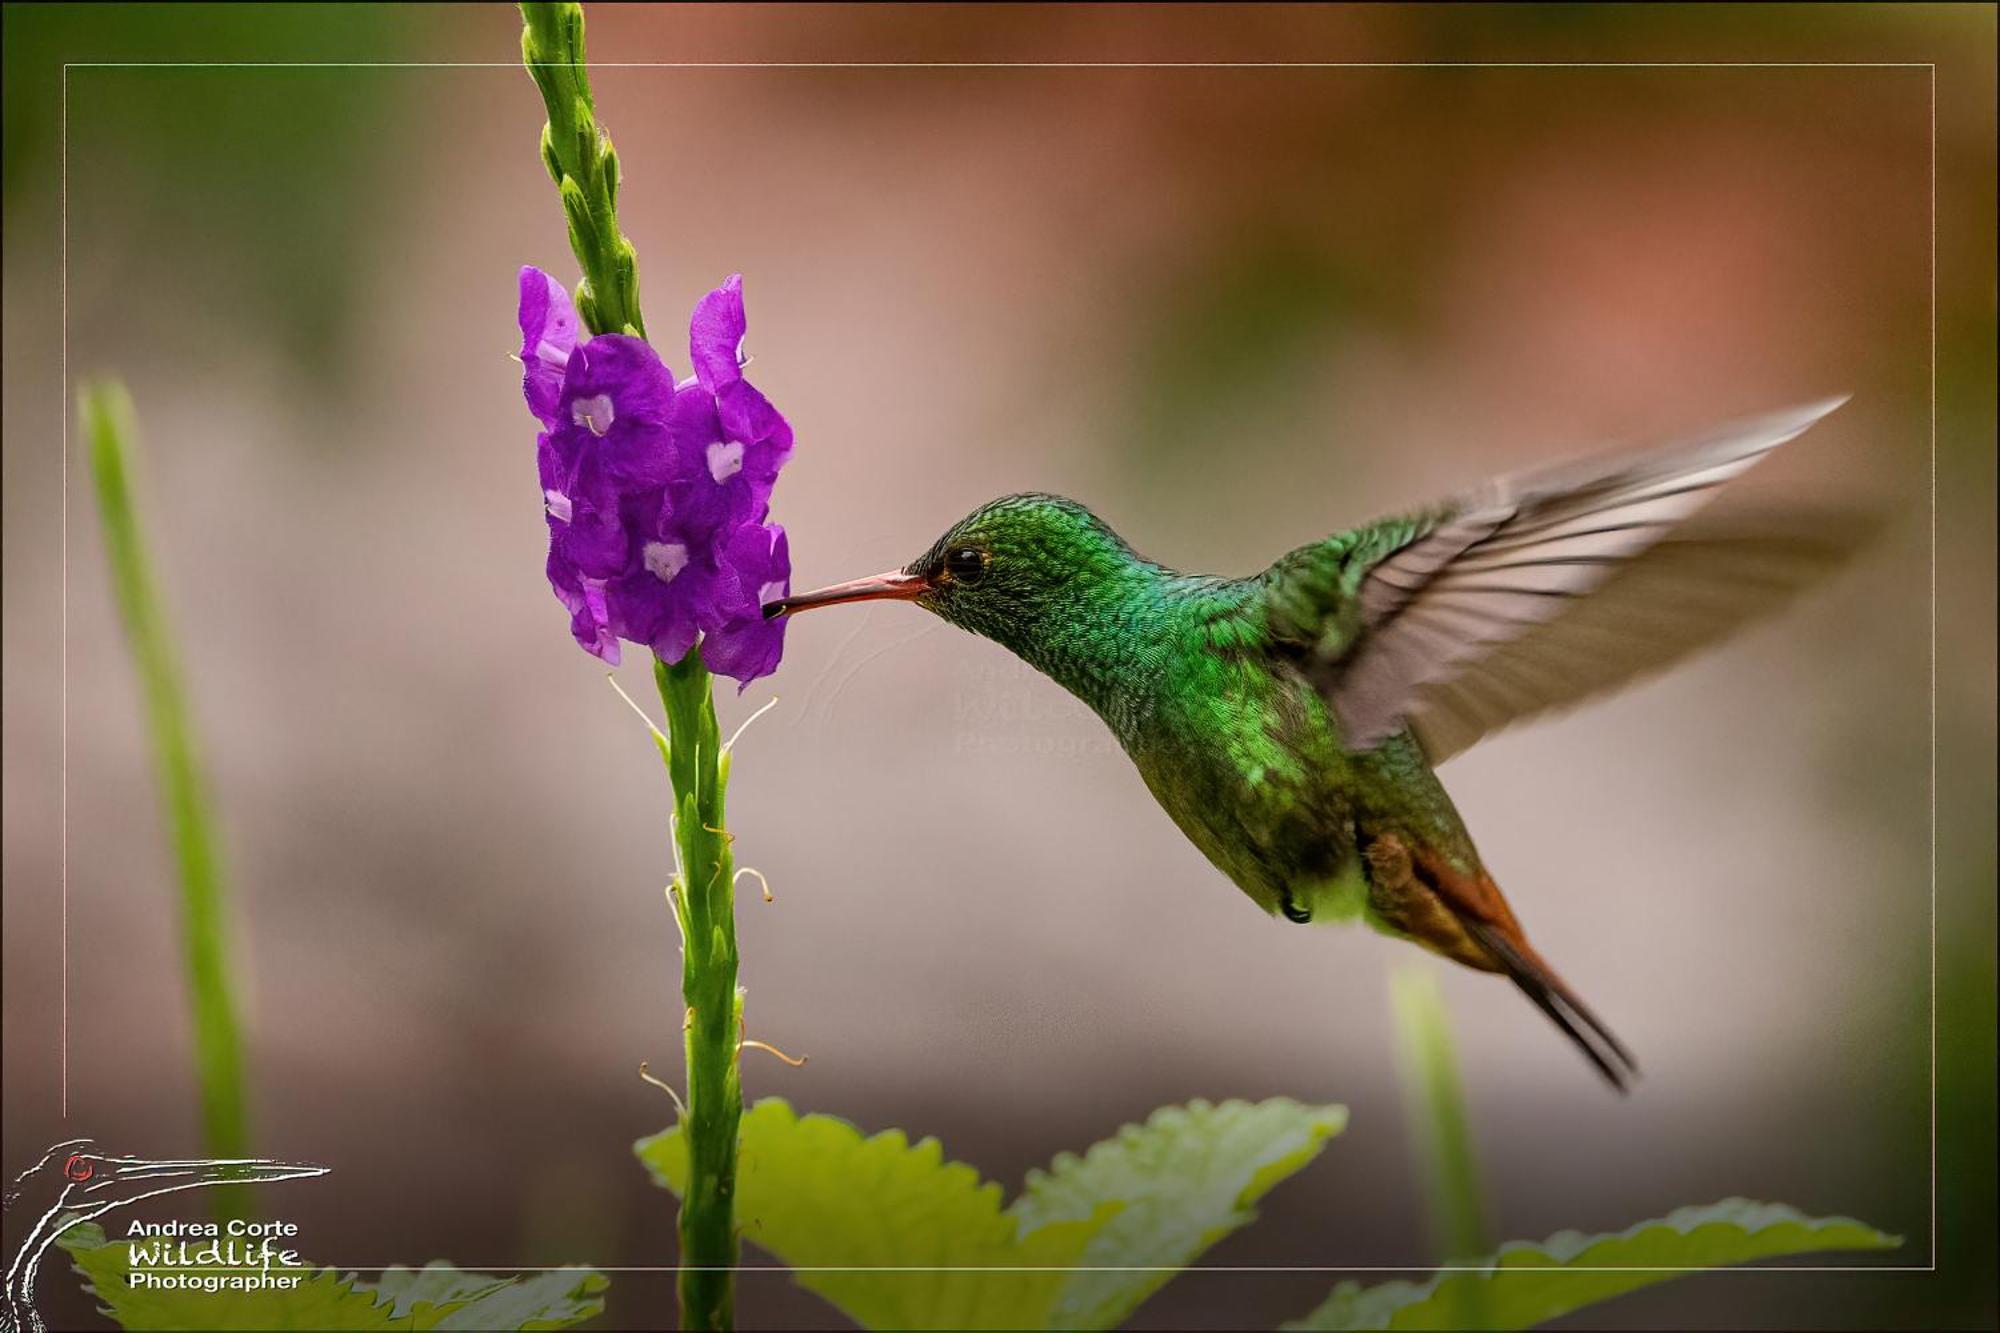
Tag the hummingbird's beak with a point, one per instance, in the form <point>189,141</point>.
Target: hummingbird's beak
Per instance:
<point>897,585</point>
<point>123,1179</point>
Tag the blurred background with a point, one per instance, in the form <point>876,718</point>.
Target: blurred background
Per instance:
<point>1233,310</point>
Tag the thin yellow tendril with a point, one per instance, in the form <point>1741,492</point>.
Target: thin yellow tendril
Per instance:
<point>658,735</point>
<point>793,1061</point>
<point>729,745</point>
<point>646,1073</point>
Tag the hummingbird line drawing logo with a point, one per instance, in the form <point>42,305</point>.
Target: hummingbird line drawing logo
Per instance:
<point>77,1181</point>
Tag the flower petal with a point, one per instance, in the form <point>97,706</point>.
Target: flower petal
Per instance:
<point>703,505</point>
<point>746,646</point>
<point>617,403</point>
<point>747,415</point>
<point>590,513</point>
<point>625,369</point>
<point>548,336</point>
<point>757,558</point>
<point>666,598</point>
<point>745,650</point>
<point>715,336</point>
<point>589,619</point>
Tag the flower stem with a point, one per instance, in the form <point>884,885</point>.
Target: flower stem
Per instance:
<point>580,158</point>
<point>705,904</point>
<point>1435,1104</point>
<point>105,413</point>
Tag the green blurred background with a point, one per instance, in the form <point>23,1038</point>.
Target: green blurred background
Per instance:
<point>1231,308</point>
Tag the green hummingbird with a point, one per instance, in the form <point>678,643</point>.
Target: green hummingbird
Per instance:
<point>1291,722</point>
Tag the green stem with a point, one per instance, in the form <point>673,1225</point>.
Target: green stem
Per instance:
<point>105,413</point>
<point>704,898</point>
<point>1436,1107</point>
<point>579,157</point>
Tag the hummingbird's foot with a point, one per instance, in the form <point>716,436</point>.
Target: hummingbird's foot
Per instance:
<point>1403,898</point>
<point>1388,863</point>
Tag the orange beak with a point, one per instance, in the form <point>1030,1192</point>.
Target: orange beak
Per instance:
<point>896,585</point>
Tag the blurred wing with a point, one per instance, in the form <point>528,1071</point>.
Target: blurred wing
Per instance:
<point>1486,614</point>
<point>1692,589</point>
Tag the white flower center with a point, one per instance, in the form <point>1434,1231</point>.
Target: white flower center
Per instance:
<point>596,413</point>
<point>725,460</point>
<point>557,504</point>
<point>770,592</point>
<point>665,559</point>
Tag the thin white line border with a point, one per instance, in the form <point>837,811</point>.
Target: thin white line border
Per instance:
<point>1929,66</point>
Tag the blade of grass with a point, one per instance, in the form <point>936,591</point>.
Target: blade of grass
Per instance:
<point>106,417</point>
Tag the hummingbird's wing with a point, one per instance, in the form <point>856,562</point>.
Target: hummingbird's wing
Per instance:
<point>1545,589</point>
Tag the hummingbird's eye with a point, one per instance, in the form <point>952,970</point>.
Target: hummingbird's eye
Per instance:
<point>965,564</point>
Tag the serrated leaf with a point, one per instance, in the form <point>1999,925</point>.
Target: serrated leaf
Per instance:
<point>322,1300</point>
<point>818,1195</point>
<point>433,1284</point>
<point>555,1299</point>
<point>1187,1178</point>
<point>437,1296</point>
<point>1531,1284</point>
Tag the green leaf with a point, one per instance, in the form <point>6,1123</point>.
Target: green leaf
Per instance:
<point>433,1284</point>
<point>436,1296</point>
<point>555,1299</point>
<point>819,1196</point>
<point>1187,1178</point>
<point>822,1198</point>
<point>1530,1284</point>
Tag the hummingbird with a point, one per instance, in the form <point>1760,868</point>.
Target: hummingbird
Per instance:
<point>1291,723</point>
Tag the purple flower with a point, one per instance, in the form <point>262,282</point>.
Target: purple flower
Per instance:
<point>732,432</point>
<point>656,493</point>
<point>670,593</point>
<point>746,645</point>
<point>614,408</point>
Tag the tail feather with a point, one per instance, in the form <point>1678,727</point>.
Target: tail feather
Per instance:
<point>1540,984</point>
<point>1464,916</point>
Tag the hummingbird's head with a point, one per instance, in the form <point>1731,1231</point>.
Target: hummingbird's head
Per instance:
<point>1001,571</point>
<point>79,1176</point>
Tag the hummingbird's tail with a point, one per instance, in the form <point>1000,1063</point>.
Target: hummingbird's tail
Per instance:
<point>1539,982</point>
<point>1465,918</point>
